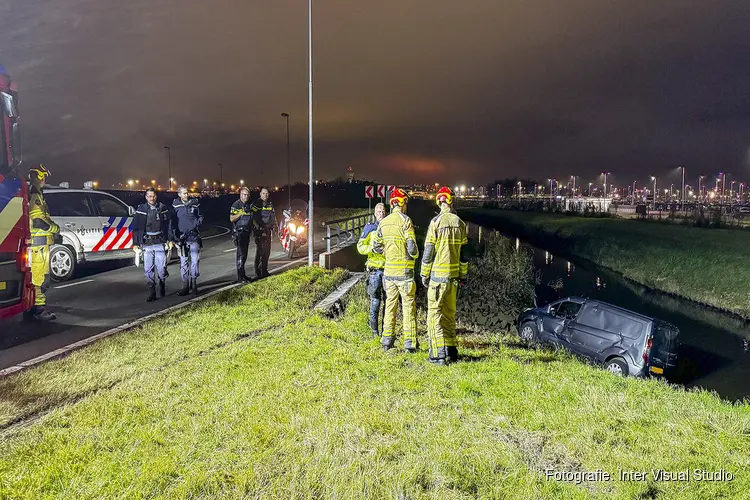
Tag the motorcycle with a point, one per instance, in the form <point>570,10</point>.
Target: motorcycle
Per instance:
<point>293,230</point>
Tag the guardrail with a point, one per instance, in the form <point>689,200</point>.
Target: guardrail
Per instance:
<point>345,231</point>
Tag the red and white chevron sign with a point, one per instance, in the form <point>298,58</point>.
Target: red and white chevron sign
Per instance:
<point>381,191</point>
<point>369,191</point>
<point>391,187</point>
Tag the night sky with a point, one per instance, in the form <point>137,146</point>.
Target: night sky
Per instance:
<point>405,90</point>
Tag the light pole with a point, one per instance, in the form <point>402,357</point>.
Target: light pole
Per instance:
<point>633,201</point>
<point>169,163</point>
<point>653,178</point>
<point>605,183</point>
<point>288,164</point>
<point>221,174</point>
<point>682,193</point>
<point>700,179</point>
<point>311,226</point>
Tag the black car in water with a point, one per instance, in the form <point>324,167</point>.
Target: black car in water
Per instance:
<point>623,341</point>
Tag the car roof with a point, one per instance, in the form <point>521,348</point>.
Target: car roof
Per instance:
<point>607,305</point>
<point>55,189</point>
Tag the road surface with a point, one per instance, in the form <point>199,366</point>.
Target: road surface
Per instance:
<point>108,295</point>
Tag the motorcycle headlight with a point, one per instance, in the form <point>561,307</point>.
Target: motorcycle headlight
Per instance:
<point>300,229</point>
<point>292,227</point>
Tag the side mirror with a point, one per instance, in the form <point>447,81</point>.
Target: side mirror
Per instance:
<point>131,211</point>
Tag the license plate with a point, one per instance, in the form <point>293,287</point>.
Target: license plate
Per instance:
<point>3,286</point>
<point>657,370</point>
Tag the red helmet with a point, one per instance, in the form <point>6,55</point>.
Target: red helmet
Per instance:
<point>444,195</point>
<point>398,197</point>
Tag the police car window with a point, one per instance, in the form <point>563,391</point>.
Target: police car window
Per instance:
<point>109,207</point>
<point>567,310</point>
<point>68,204</point>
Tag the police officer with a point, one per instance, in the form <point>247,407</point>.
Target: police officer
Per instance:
<point>241,217</point>
<point>151,229</point>
<point>396,241</point>
<point>187,237</point>
<point>444,269</point>
<point>43,234</point>
<point>264,223</point>
<point>374,268</point>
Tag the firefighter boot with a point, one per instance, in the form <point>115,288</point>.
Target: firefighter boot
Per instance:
<point>451,355</point>
<point>151,293</point>
<point>185,288</point>
<point>162,288</point>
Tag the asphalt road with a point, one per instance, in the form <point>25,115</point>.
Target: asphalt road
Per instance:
<point>110,294</point>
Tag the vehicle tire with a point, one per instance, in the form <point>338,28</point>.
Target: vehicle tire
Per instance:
<point>290,250</point>
<point>529,332</point>
<point>62,263</point>
<point>618,366</point>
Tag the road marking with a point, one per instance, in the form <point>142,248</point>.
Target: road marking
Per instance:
<point>226,230</point>
<point>230,250</point>
<point>127,326</point>
<point>73,284</point>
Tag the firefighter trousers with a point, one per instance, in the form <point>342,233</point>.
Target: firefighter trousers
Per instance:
<point>406,290</point>
<point>40,273</point>
<point>441,319</point>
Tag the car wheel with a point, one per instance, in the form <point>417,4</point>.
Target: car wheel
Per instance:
<point>62,263</point>
<point>618,366</point>
<point>529,332</point>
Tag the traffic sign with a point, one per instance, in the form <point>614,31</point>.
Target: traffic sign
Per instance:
<point>381,191</point>
<point>369,191</point>
<point>391,188</point>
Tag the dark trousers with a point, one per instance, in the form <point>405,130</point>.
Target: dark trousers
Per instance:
<point>377,294</point>
<point>242,242</point>
<point>262,252</point>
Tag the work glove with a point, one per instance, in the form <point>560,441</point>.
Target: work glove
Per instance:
<point>426,281</point>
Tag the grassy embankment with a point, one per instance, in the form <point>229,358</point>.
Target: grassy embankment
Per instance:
<point>709,266</point>
<point>249,394</point>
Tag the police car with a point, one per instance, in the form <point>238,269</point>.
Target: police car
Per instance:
<point>95,226</point>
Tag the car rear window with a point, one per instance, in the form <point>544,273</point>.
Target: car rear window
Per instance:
<point>610,321</point>
<point>68,204</point>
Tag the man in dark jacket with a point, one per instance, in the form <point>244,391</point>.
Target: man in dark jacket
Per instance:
<point>241,217</point>
<point>151,228</point>
<point>264,223</point>
<point>188,219</point>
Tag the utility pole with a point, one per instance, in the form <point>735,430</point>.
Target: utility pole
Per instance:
<point>288,164</point>
<point>311,226</point>
<point>169,163</point>
<point>221,174</point>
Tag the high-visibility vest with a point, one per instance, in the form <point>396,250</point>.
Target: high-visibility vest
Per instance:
<point>395,240</point>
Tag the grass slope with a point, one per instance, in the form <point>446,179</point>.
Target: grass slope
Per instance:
<point>706,265</point>
<point>310,407</point>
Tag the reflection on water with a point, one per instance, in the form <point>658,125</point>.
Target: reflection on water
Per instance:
<point>712,352</point>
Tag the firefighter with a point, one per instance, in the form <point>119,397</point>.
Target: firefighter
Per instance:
<point>151,229</point>
<point>187,236</point>
<point>395,240</point>
<point>264,223</point>
<point>444,269</point>
<point>241,217</point>
<point>374,268</point>
<point>43,234</point>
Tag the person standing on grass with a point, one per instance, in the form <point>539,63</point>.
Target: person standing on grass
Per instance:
<point>374,267</point>
<point>396,241</point>
<point>264,223</point>
<point>444,269</point>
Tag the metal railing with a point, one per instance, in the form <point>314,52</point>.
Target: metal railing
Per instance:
<point>345,231</point>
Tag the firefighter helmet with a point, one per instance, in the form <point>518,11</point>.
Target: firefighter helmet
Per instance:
<point>39,172</point>
<point>444,195</point>
<point>398,197</point>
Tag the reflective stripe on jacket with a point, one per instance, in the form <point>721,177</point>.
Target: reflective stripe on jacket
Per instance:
<point>364,247</point>
<point>43,228</point>
<point>395,240</point>
<point>444,248</point>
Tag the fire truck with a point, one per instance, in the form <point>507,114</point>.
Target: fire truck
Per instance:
<point>16,289</point>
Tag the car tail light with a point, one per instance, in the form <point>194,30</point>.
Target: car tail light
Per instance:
<point>647,351</point>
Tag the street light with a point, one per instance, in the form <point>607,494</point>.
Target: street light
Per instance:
<point>682,193</point>
<point>311,225</point>
<point>605,174</point>
<point>221,174</point>
<point>653,178</point>
<point>169,163</point>
<point>288,163</point>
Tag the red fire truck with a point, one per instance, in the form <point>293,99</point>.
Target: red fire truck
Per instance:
<point>16,289</point>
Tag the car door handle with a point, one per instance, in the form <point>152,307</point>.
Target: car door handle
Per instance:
<point>70,224</point>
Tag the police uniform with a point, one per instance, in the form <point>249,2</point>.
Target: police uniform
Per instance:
<point>151,229</point>
<point>43,231</point>
<point>444,265</point>
<point>264,222</point>
<point>241,234</point>
<point>396,241</point>
<point>186,234</point>
<point>374,267</point>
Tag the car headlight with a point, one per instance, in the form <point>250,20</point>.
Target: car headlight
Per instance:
<point>292,227</point>
<point>300,229</point>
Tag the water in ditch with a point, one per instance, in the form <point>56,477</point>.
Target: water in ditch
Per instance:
<point>712,351</point>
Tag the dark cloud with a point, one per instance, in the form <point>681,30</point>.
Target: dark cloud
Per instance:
<point>424,90</point>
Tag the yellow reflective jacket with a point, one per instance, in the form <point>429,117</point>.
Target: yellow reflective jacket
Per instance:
<point>444,246</point>
<point>395,240</point>
<point>42,227</point>
<point>364,247</point>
